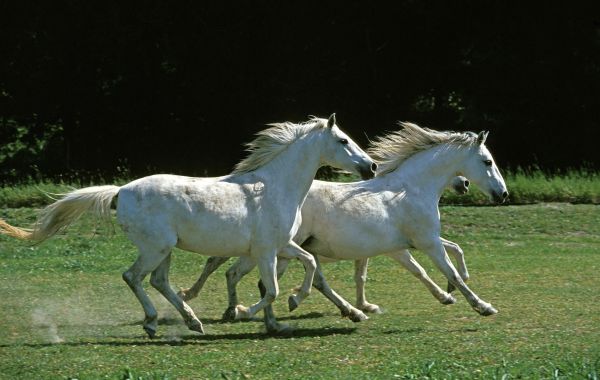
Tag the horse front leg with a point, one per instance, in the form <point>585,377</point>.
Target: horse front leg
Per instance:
<point>436,252</point>
<point>457,252</point>
<point>291,251</point>
<point>267,268</point>
<point>346,309</point>
<point>360,278</point>
<point>234,274</point>
<point>270,322</point>
<point>212,264</point>
<point>408,261</point>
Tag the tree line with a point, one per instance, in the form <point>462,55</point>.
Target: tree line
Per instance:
<point>106,88</point>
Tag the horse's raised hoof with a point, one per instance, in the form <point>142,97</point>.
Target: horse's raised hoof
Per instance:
<point>356,315</point>
<point>485,309</point>
<point>196,325</point>
<point>241,312</point>
<point>371,308</point>
<point>293,302</point>
<point>229,314</point>
<point>150,331</point>
<point>448,300</point>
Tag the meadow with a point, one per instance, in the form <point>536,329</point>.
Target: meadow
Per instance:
<point>66,313</point>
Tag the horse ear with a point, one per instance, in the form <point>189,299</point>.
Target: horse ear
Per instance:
<point>482,136</point>
<point>331,121</point>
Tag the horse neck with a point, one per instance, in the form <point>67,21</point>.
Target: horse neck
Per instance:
<point>292,171</point>
<point>430,170</point>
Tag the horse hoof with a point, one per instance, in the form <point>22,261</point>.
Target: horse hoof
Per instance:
<point>357,316</point>
<point>241,312</point>
<point>448,300</point>
<point>371,308</point>
<point>196,325</point>
<point>486,310</point>
<point>150,331</point>
<point>229,314</point>
<point>293,303</point>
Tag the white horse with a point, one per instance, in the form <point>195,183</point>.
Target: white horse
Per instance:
<point>243,266</point>
<point>253,212</point>
<point>397,210</point>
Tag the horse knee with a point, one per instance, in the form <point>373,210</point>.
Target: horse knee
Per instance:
<point>128,278</point>
<point>230,274</point>
<point>271,295</point>
<point>311,263</point>
<point>156,282</point>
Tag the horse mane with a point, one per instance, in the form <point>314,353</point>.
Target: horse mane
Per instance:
<point>274,140</point>
<point>392,149</point>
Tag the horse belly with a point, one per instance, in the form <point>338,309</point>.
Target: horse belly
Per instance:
<point>355,243</point>
<point>222,235</point>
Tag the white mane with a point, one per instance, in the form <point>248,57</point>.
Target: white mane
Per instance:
<point>274,140</point>
<point>391,150</point>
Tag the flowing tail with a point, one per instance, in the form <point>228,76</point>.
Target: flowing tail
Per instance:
<point>60,214</point>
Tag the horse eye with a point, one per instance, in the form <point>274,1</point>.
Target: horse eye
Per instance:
<point>344,141</point>
<point>487,162</point>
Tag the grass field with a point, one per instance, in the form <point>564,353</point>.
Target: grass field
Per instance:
<point>66,313</point>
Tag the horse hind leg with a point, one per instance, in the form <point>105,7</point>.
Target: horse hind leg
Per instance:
<point>134,277</point>
<point>160,281</point>
<point>360,278</point>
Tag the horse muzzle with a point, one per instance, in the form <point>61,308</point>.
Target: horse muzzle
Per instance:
<point>367,171</point>
<point>500,197</point>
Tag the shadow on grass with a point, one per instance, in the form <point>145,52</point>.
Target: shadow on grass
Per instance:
<point>192,339</point>
<point>176,320</point>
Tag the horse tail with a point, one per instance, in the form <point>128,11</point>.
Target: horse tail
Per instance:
<point>60,214</point>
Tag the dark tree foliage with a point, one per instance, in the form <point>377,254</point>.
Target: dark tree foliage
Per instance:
<point>89,86</point>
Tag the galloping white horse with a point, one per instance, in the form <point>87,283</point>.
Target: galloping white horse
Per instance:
<point>253,212</point>
<point>234,274</point>
<point>398,209</point>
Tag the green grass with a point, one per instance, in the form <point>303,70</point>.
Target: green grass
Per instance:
<point>66,313</point>
<point>533,186</point>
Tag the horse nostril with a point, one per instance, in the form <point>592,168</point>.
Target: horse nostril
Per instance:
<point>505,194</point>
<point>467,183</point>
<point>373,167</point>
